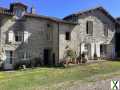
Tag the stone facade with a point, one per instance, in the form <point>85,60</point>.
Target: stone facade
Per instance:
<point>44,37</point>
<point>36,41</point>
<point>79,38</point>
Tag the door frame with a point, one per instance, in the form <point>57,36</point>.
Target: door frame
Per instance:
<point>8,64</point>
<point>47,56</point>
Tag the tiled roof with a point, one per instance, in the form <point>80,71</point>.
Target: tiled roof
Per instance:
<point>18,3</point>
<point>118,20</point>
<point>90,10</point>
<point>5,11</point>
<point>48,18</point>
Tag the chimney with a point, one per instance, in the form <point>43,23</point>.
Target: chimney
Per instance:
<point>33,11</point>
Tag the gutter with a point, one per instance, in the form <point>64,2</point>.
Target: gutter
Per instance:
<point>58,40</point>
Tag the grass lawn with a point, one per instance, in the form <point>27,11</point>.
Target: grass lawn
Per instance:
<point>49,78</point>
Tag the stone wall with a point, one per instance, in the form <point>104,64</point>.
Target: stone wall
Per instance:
<point>37,40</point>
<point>79,37</point>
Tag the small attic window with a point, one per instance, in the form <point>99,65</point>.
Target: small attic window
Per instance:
<point>18,12</point>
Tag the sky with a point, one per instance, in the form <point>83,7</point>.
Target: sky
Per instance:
<point>62,8</point>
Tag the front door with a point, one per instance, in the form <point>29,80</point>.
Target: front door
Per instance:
<point>9,60</point>
<point>46,56</point>
<point>103,50</point>
<point>88,50</point>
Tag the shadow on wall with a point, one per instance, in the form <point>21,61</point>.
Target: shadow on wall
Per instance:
<point>22,49</point>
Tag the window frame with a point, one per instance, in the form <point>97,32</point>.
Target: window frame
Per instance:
<point>18,36</point>
<point>49,32</point>
<point>68,36</point>
<point>89,30</point>
<point>10,56</point>
<point>106,30</point>
<point>18,12</point>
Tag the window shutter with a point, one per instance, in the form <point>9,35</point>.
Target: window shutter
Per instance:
<point>98,49</point>
<point>89,27</point>
<point>82,48</point>
<point>26,36</point>
<point>106,30</point>
<point>10,36</point>
<point>92,49</point>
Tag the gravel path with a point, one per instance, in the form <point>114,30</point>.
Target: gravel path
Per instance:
<point>98,85</point>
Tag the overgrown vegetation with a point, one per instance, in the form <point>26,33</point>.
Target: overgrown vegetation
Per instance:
<point>71,54</point>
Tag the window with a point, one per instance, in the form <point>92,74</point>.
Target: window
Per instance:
<point>48,25</point>
<point>10,36</point>
<point>24,55</point>
<point>18,36</point>
<point>89,27</point>
<point>68,36</point>
<point>106,30</point>
<point>49,35</point>
<point>103,49</point>
<point>74,18</point>
<point>18,12</point>
<point>49,32</point>
<point>9,57</point>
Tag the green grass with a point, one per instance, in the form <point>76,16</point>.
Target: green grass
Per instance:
<point>42,78</point>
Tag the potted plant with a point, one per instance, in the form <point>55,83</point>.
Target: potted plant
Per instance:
<point>71,56</point>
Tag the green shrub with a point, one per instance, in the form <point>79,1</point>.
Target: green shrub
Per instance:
<point>71,54</point>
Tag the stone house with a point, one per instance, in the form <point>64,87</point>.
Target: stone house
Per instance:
<point>26,35</point>
<point>94,33</point>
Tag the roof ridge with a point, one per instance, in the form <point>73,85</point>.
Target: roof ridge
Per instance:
<point>87,9</point>
<point>49,17</point>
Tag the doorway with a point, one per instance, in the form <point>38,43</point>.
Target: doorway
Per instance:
<point>9,60</point>
<point>103,50</point>
<point>53,58</point>
<point>88,50</point>
<point>46,56</point>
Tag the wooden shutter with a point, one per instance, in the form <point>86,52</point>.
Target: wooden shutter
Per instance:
<point>106,30</point>
<point>82,48</point>
<point>26,36</point>
<point>10,36</point>
<point>98,49</point>
<point>89,27</point>
<point>92,49</point>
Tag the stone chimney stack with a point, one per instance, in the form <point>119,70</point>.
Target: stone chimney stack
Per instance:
<point>33,11</point>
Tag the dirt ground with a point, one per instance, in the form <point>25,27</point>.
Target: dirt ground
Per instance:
<point>98,85</point>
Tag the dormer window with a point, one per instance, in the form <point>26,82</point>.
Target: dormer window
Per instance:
<point>18,12</point>
<point>18,9</point>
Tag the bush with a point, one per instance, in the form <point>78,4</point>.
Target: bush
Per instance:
<point>19,64</point>
<point>71,54</point>
<point>36,62</point>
